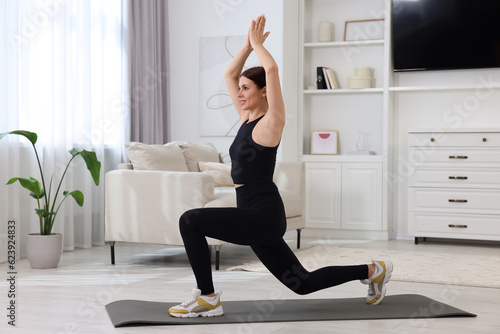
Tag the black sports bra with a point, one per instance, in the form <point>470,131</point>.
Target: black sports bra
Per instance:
<point>251,162</point>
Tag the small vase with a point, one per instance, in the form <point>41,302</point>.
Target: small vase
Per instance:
<point>362,144</point>
<point>324,31</point>
<point>44,251</point>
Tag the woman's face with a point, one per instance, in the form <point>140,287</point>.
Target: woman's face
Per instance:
<point>250,95</point>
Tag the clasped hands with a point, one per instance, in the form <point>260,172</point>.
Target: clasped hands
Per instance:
<point>256,35</point>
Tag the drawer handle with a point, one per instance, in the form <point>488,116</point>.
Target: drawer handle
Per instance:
<point>484,140</point>
<point>432,139</point>
<point>457,177</point>
<point>458,157</point>
<point>457,200</point>
<point>457,226</point>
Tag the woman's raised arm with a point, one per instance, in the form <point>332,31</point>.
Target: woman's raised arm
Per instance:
<point>274,95</point>
<point>233,72</point>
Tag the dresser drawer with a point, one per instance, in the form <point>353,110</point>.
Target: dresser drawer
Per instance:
<point>454,200</point>
<point>454,226</point>
<point>452,139</point>
<point>419,156</point>
<point>487,178</point>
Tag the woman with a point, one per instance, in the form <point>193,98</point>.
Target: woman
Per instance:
<point>259,219</point>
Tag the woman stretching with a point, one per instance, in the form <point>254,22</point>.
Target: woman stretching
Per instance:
<point>259,219</point>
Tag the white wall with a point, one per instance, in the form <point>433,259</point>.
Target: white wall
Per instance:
<point>189,20</point>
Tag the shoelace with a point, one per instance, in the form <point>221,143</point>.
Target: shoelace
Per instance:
<point>189,301</point>
<point>371,289</point>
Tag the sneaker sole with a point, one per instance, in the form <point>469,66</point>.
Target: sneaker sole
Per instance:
<point>212,313</point>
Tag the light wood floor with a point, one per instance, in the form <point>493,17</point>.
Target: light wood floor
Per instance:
<point>71,298</point>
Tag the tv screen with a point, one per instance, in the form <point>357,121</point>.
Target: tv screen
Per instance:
<point>445,34</point>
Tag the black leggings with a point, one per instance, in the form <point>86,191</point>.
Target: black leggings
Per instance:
<point>259,222</point>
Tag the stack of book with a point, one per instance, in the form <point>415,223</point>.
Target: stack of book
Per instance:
<point>326,78</point>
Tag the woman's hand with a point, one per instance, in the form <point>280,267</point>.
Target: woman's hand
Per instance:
<point>247,44</point>
<point>256,33</point>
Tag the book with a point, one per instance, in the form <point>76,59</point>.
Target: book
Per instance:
<point>328,86</point>
<point>331,78</point>
<point>320,78</point>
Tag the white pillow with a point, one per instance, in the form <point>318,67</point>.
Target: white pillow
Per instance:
<point>167,157</point>
<point>220,172</point>
<point>194,153</point>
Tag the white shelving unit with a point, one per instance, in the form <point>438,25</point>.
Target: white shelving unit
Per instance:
<point>345,110</point>
<point>358,203</point>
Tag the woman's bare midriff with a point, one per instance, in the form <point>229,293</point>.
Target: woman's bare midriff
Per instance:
<point>238,185</point>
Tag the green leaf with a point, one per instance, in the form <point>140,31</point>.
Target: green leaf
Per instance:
<point>35,196</point>
<point>29,183</point>
<point>93,165</point>
<point>31,136</point>
<point>43,212</point>
<point>77,195</point>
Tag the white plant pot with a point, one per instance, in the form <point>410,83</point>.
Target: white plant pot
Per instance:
<point>44,251</point>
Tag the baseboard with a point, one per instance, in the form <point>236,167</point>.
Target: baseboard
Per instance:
<point>401,236</point>
<point>345,234</point>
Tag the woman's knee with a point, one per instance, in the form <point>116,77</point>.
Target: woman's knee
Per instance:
<point>297,280</point>
<point>188,219</point>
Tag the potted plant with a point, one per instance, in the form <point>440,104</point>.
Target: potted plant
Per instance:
<point>44,248</point>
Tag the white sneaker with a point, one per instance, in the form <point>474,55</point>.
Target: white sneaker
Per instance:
<point>197,306</point>
<point>376,283</point>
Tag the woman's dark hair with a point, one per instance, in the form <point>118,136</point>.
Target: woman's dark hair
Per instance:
<point>257,74</point>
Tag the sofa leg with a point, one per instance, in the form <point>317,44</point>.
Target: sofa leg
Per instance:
<point>298,238</point>
<point>112,247</point>
<point>217,256</point>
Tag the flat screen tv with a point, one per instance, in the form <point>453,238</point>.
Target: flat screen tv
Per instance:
<point>445,34</point>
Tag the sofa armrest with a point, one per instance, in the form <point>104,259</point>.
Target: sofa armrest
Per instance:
<point>145,206</point>
<point>290,176</point>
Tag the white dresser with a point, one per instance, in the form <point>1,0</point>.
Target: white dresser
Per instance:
<point>454,185</point>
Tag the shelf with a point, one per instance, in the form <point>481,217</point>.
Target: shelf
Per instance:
<point>343,91</point>
<point>436,88</point>
<point>341,158</point>
<point>453,130</point>
<point>344,43</point>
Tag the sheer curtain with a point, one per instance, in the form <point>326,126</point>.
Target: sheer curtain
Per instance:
<point>64,75</point>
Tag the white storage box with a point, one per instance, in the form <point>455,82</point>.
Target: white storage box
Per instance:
<point>356,82</point>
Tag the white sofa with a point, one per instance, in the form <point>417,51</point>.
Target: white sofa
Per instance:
<point>144,199</point>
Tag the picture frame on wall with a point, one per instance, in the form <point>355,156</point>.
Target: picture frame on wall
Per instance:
<point>362,30</point>
<point>324,142</point>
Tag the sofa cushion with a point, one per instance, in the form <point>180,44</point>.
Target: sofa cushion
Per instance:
<point>224,197</point>
<point>220,172</point>
<point>156,157</point>
<point>294,205</point>
<point>194,153</point>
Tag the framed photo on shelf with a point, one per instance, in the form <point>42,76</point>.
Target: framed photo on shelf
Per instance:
<point>362,30</point>
<point>324,142</point>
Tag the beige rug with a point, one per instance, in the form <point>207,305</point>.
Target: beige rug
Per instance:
<point>424,267</point>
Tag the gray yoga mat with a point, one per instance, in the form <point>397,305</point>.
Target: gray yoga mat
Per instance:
<point>141,313</point>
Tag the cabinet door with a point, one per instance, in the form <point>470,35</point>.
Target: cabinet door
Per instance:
<point>362,196</point>
<point>323,191</point>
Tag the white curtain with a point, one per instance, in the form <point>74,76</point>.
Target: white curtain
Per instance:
<point>64,75</point>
